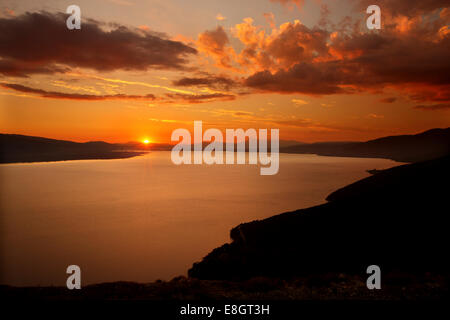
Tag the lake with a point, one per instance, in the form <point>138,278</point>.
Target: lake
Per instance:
<point>144,218</point>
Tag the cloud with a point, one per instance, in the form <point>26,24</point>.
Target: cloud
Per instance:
<point>284,47</point>
<point>428,93</point>
<point>169,121</point>
<point>290,3</point>
<point>298,123</point>
<point>13,67</point>
<point>209,81</point>
<point>388,100</point>
<point>74,96</point>
<point>404,7</point>
<point>298,59</point>
<point>409,56</point>
<point>7,12</point>
<point>299,102</point>
<point>434,107</point>
<point>301,78</point>
<point>41,43</point>
<point>375,116</point>
<point>270,18</point>
<point>199,98</point>
<point>216,44</point>
<point>126,82</point>
<point>122,2</point>
<point>220,17</point>
<point>167,98</point>
<point>234,113</point>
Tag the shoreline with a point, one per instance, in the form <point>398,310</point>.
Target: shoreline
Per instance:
<point>130,154</point>
<point>72,157</point>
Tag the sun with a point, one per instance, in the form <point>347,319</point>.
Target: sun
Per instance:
<point>146,141</point>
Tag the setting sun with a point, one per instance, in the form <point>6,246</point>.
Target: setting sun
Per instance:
<point>146,141</point>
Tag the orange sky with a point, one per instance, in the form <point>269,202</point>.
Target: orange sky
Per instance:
<point>140,69</point>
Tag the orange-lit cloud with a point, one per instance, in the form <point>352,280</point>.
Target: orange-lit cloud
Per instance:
<point>299,102</point>
<point>216,44</point>
<point>409,55</point>
<point>220,17</point>
<point>298,59</point>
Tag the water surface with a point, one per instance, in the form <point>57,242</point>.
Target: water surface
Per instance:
<point>143,218</point>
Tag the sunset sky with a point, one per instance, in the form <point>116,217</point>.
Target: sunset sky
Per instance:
<point>139,69</point>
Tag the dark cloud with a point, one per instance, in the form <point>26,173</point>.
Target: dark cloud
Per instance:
<point>168,98</point>
<point>74,96</point>
<point>41,43</point>
<point>301,78</point>
<point>436,94</point>
<point>209,81</point>
<point>199,98</point>
<point>388,100</point>
<point>434,107</point>
<point>15,68</point>
<point>398,58</point>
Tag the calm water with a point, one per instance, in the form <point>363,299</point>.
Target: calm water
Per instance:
<point>143,218</point>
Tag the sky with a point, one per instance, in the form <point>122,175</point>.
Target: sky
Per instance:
<point>140,69</point>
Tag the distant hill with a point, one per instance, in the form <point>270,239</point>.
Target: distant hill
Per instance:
<point>430,144</point>
<point>20,148</point>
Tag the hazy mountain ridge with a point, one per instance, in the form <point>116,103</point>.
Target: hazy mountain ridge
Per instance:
<point>430,144</point>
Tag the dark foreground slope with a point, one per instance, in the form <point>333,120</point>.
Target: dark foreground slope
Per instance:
<point>396,219</point>
<point>19,148</point>
<point>430,144</point>
<point>325,287</point>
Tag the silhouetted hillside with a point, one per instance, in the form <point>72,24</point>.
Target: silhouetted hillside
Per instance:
<point>20,148</point>
<point>325,287</point>
<point>430,144</point>
<point>408,148</point>
<point>396,219</point>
